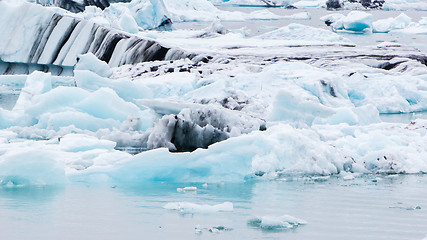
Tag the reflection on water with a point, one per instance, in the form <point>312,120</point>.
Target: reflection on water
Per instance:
<point>363,208</point>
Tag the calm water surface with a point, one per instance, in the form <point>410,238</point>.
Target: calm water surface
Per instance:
<point>371,207</point>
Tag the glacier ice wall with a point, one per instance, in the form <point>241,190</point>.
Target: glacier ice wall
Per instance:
<point>74,5</point>
<point>53,41</point>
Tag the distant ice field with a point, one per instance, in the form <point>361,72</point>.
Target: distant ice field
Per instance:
<point>258,27</point>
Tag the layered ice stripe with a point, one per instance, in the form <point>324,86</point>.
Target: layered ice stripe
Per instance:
<point>51,38</point>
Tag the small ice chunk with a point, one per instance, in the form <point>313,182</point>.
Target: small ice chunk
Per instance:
<point>198,230</point>
<point>347,176</point>
<point>188,207</point>
<point>276,223</point>
<point>187,189</point>
<point>219,229</point>
<point>401,206</point>
<point>90,62</point>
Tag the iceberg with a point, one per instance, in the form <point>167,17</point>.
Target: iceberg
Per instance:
<point>386,25</point>
<point>356,21</point>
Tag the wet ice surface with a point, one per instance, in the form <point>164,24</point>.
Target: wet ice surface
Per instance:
<point>372,207</point>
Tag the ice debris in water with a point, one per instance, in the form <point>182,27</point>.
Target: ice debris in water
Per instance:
<point>401,206</point>
<point>190,208</point>
<point>217,229</point>
<point>187,189</point>
<point>284,222</point>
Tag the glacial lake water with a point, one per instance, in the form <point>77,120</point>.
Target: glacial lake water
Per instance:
<point>369,207</point>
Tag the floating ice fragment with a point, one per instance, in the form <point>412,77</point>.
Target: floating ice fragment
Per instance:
<point>219,229</point>
<point>406,207</point>
<point>187,189</point>
<point>356,21</point>
<point>284,222</point>
<point>198,230</point>
<point>189,208</point>
<point>386,25</point>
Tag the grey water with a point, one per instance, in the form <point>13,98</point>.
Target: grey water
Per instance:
<point>369,207</point>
